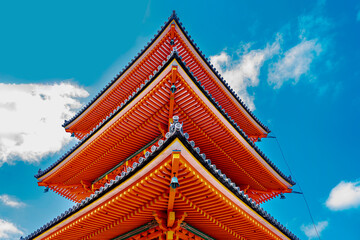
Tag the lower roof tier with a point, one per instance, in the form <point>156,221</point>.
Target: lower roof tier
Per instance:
<point>152,231</point>
<point>204,199</point>
<point>145,116</point>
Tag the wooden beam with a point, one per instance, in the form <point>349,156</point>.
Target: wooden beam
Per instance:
<point>160,219</point>
<point>170,219</point>
<point>169,235</point>
<point>163,129</point>
<point>174,172</point>
<point>172,31</point>
<point>172,94</point>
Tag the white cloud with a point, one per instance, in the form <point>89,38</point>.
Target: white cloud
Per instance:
<point>345,195</point>
<point>295,62</point>
<point>243,72</point>
<point>31,119</point>
<point>9,230</point>
<point>11,201</point>
<point>310,231</point>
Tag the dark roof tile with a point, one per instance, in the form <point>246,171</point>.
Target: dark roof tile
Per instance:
<point>206,60</point>
<point>174,55</point>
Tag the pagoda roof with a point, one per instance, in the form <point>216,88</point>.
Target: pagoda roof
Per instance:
<point>252,119</point>
<point>250,218</point>
<point>87,140</point>
<point>152,230</point>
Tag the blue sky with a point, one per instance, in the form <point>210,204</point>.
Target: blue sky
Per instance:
<point>296,64</point>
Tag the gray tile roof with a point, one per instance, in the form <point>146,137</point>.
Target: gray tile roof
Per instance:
<point>206,60</point>
<point>171,57</point>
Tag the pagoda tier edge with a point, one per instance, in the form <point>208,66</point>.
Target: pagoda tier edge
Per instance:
<point>174,56</point>
<point>176,141</point>
<point>175,18</point>
<point>186,231</point>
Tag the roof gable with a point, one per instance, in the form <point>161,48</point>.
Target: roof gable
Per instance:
<point>138,70</point>
<point>147,182</point>
<point>102,136</point>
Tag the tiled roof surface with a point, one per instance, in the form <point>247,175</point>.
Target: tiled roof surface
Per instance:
<point>176,132</point>
<point>173,56</point>
<point>206,60</point>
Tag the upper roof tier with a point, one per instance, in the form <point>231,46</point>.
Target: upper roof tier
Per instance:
<point>171,36</point>
<point>138,121</point>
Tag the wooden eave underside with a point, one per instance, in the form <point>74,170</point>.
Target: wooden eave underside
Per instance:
<point>209,205</point>
<point>146,64</point>
<point>157,234</point>
<point>137,125</point>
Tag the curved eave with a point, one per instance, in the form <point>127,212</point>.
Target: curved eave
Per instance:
<point>176,141</point>
<point>173,18</point>
<point>67,124</point>
<point>206,98</point>
<point>218,77</point>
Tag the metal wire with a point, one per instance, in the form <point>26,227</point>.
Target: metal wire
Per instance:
<point>302,192</point>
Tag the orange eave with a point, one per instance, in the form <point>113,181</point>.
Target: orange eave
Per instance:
<point>138,123</point>
<point>142,196</point>
<point>145,65</point>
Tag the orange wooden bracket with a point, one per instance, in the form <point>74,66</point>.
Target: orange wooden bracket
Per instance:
<point>86,185</point>
<point>172,31</point>
<point>289,190</point>
<point>245,188</point>
<point>162,127</point>
<point>169,231</point>
<point>170,219</point>
<point>75,131</point>
<point>169,235</point>
<point>160,219</point>
<point>42,184</point>
<point>173,74</point>
<point>175,158</point>
<point>182,216</point>
<point>172,95</point>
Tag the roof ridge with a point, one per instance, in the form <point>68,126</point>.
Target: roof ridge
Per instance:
<point>173,16</point>
<point>176,131</point>
<point>173,55</point>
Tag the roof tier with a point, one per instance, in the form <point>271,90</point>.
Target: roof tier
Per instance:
<point>171,36</point>
<point>152,230</point>
<point>139,121</point>
<point>205,199</point>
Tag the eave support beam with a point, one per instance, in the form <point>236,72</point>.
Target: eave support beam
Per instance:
<point>169,232</point>
<point>172,93</point>
<point>175,159</point>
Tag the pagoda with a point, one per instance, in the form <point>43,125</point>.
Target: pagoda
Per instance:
<point>166,151</point>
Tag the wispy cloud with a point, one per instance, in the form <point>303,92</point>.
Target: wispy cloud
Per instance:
<point>310,231</point>
<point>11,201</point>
<point>242,71</point>
<point>290,62</point>
<point>358,16</point>
<point>295,62</point>
<point>34,114</point>
<point>8,230</point>
<point>343,196</point>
